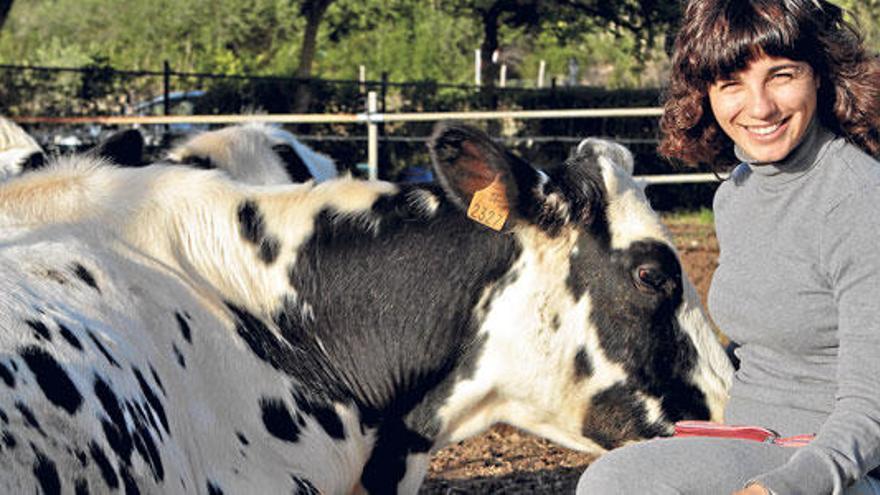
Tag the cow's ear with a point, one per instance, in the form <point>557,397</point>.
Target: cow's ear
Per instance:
<point>480,176</point>
<point>295,166</point>
<point>34,161</point>
<point>125,148</point>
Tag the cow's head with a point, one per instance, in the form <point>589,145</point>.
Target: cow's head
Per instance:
<point>254,153</point>
<point>596,337</point>
<point>19,152</point>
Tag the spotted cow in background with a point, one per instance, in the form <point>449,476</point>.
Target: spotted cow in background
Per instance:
<point>255,154</point>
<point>19,152</point>
<point>167,330</point>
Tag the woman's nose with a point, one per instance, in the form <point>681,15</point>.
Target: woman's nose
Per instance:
<point>761,105</point>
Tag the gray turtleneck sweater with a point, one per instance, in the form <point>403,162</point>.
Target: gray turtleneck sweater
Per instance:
<point>798,286</point>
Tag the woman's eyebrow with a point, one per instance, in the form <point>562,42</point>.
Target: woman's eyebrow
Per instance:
<point>792,65</point>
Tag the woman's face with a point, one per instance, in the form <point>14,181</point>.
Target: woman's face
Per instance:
<point>766,107</point>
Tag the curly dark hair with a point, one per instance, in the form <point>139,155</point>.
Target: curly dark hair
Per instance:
<point>721,37</point>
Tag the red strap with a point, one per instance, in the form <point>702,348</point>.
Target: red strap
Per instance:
<point>754,433</point>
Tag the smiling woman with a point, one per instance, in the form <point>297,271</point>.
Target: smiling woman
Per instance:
<point>786,88</point>
<point>766,108</point>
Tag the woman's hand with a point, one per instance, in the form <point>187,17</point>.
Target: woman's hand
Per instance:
<point>753,489</point>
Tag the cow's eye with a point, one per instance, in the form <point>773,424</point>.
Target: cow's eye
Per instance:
<point>649,277</point>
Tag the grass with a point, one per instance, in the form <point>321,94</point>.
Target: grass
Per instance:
<point>703,217</point>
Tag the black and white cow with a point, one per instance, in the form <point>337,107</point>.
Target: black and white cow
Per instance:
<point>19,152</point>
<point>255,153</point>
<point>167,330</point>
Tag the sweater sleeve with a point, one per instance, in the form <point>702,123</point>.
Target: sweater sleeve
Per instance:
<point>847,445</point>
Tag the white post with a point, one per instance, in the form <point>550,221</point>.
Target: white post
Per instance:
<point>362,77</point>
<point>541,69</point>
<point>372,138</point>
<point>477,64</point>
<point>503,76</point>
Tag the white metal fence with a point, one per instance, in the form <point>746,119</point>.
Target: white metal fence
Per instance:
<point>372,118</point>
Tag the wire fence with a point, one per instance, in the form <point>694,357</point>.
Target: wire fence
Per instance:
<point>89,102</point>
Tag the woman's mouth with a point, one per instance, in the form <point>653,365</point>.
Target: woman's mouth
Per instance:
<point>767,132</point>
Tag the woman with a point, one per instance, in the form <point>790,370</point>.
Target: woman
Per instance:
<point>786,88</point>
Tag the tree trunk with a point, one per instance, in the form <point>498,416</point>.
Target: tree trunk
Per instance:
<point>314,11</point>
<point>489,70</point>
<point>5,6</point>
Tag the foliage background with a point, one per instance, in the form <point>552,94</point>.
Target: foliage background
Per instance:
<point>617,49</point>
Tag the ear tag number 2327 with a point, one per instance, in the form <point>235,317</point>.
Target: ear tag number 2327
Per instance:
<point>489,206</point>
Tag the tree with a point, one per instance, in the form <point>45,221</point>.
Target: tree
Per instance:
<point>5,6</point>
<point>643,19</point>
<point>517,14</point>
<point>313,11</point>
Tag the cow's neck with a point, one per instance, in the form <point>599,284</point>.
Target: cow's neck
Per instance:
<point>390,311</point>
<point>242,242</point>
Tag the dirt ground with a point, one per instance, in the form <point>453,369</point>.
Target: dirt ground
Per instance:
<point>509,461</point>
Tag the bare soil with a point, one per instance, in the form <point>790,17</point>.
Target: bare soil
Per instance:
<point>510,461</point>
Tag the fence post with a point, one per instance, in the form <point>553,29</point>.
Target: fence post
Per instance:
<point>384,90</point>
<point>166,88</point>
<point>372,138</point>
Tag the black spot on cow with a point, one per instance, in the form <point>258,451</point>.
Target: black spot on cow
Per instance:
<point>4,417</point>
<point>103,350</point>
<point>81,487</point>
<point>179,355</point>
<point>86,276</point>
<point>213,488</point>
<point>296,167</point>
<point>69,337</point>
<point>270,247</point>
<point>241,438</point>
<point>82,457</point>
<point>323,413</point>
<point>555,323</point>
<point>29,419</point>
<point>583,367</point>
<point>119,440</point>
<point>278,421</point>
<point>260,339</point>
<point>7,376</point>
<point>250,221</point>
<point>118,436</point>
<point>9,440</point>
<point>146,447</point>
<point>184,327</point>
<point>152,398</point>
<point>46,473</point>
<point>387,463</point>
<point>197,161</point>
<point>110,403</point>
<point>56,276</point>
<point>34,161</point>
<point>615,416</point>
<point>41,331</point>
<point>52,379</point>
<point>302,486</point>
<point>252,228</point>
<point>128,482</point>
<point>158,380</point>
<point>104,466</point>
<point>125,148</point>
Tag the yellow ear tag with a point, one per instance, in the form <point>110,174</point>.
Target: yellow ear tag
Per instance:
<point>489,205</point>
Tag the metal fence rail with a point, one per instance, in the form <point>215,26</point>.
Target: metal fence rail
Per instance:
<point>372,118</point>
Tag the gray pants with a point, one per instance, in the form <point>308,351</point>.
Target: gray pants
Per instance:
<point>689,466</point>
